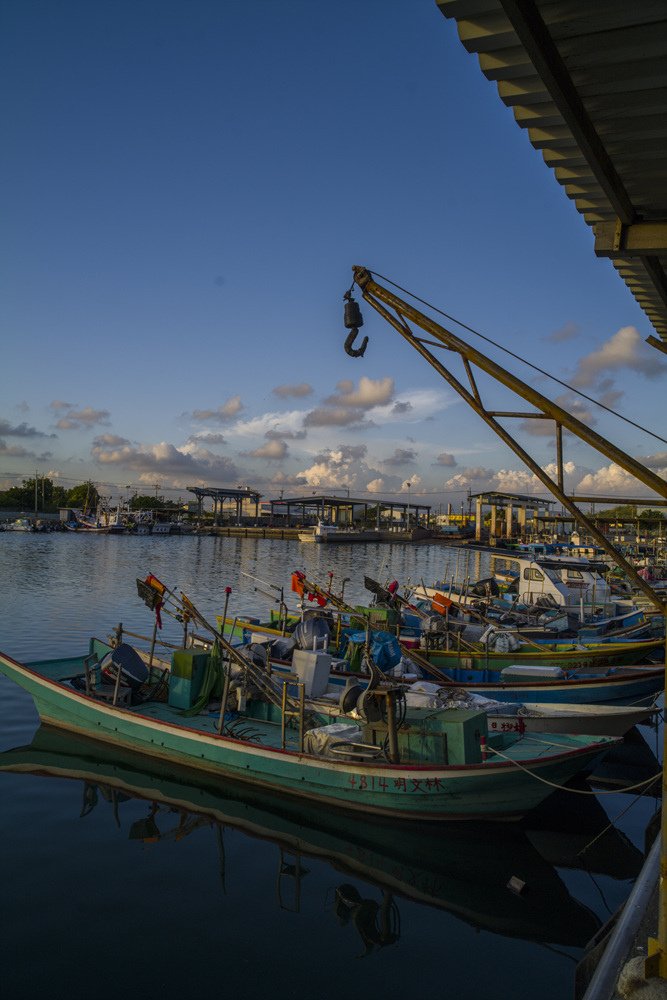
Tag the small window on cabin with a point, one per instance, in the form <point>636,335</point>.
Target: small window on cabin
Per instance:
<point>574,574</point>
<point>532,574</point>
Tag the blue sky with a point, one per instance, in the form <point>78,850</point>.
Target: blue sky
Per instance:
<point>185,189</point>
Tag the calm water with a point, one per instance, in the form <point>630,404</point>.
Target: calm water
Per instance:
<point>122,879</point>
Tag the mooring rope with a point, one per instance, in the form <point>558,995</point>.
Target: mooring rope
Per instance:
<point>575,791</point>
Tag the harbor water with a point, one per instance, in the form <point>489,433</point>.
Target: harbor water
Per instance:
<point>126,877</point>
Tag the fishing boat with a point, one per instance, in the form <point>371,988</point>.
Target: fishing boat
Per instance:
<point>477,657</point>
<point>443,766</point>
<point>532,717</point>
<point>329,533</point>
<point>625,685</point>
<point>20,524</point>
<point>508,714</point>
<point>574,585</point>
<point>320,533</point>
<point>102,523</point>
<point>463,869</point>
<point>594,720</point>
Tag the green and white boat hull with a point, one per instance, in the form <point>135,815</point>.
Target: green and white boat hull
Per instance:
<point>499,786</point>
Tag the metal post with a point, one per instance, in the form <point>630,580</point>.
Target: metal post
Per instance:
<point>116,685</point>
<point>228,591</point>
<point>391,727</point>
<point>658,949</point>
<point>152,651</point>
<point>225,695</point>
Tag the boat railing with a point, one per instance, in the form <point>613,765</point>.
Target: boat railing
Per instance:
<point>289,710</point>
<point>260,676</point>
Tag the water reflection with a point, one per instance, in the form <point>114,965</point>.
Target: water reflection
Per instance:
<point>464,869</point>
<point>574,832</point>
<point>631,763</point>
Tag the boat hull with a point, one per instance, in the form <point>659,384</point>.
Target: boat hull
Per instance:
<point>606,654</point>
<point>593,720</point>
<point>496,787</point>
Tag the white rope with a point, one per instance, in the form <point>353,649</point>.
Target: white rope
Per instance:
<point>575,791</point>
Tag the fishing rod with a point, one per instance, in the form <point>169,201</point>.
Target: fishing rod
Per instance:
<point>284,610</point>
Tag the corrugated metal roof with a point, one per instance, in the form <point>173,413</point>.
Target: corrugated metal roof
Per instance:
<point>588,80</point>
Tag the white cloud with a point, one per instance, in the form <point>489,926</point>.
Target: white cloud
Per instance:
<point>180,465</point>
<point>445,459</point>
<point>223,414</point>
<point>74,419</point>
<point>338,416</point>
<point>297,391</point>
<point>22,430</point>
<point>370,393</point>
<point>274,450</point>
<point>344,467</point>
<point>423,404</point>
<point>289,424</point>
<point>207,438</point>
<point>109,441</point>
<point>625,351</point>
<point>611,480</point>
<point>401,456</point>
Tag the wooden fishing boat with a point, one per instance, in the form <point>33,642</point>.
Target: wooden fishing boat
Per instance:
<point>631,685</point>
<point>594,720</point>
<point>444,767</point>
<point>567,656</point>
<point>463,869</point>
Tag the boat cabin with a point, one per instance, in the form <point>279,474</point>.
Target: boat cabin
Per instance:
<point>554,580</point>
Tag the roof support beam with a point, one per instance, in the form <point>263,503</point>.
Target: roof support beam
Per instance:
<point>534,36</point>
<point>642,239</point>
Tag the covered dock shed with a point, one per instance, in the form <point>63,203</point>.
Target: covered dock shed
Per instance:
<point>332,509</point>
<point>237,498</point>
<point>508,503</point>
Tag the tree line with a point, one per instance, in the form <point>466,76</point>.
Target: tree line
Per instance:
<point>48,496</point>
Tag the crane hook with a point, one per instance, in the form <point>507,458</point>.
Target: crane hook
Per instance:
<point>349,349</point>
<point>353,320</point>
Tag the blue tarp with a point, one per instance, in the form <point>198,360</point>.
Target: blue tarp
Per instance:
<point>385,649</point>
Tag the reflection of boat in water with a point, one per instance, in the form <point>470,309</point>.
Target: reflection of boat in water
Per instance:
<point>464,869</point>
<point>574,832</point>
<point>630,762</point>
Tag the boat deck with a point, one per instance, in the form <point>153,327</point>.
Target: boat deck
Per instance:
<point>266,733</point>
<point>261,723</point>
